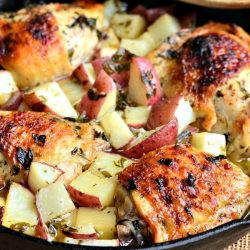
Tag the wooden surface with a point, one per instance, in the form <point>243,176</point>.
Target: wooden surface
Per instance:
<point>243,244</point>
<point>227,4</point>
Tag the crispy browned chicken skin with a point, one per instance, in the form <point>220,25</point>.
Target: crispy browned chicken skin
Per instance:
<point>180,191</point>
<point>34,136</point>
<point>211,66</point>
<point>43,43</point>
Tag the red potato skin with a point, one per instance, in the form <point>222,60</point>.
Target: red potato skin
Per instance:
<point>98,64</point>
<point>103,85</point>
<point>36,104</point>
<point>121,78</point>
<point>140,65</point>
<point>187,19</point>
<point>84,200</point>
<point>152,14</point>
<point>1,214</point>
<point>81,74</point>
<point>162,112</point>
<point>81,236</point>
<point>14,102</point>
<point>165,136</point>
<point>41,229</point>
<point>139,125</point>
<point>66,177</point>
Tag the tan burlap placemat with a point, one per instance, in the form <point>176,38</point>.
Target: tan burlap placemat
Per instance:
<point>231,4</point>
<point>242,244</point>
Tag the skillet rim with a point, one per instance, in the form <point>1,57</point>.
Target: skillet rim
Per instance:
<point>160,246</point>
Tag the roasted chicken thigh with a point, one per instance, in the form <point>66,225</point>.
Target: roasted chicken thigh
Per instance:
<point>33,136</point>
<point>211,66</point>
<point>180,191</point>
<point>47,42</point>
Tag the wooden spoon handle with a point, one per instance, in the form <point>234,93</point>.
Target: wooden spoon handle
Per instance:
<point>225,4</point>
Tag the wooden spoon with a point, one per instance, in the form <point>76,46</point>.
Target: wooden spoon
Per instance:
<point>224,4</point>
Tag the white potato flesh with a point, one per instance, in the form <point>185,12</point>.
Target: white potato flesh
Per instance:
<point>109,104</point>
<point>20,207</point>
<point>70,218</point>
<point>53,201</point>
<point>90,72</point>
<point>89,184</point>
<point>111,41</point>
<point>109,164</point>
<point>136,116</point>
<point>136,46</point>
<point>110,8</point>
<point>104,221</point>
<point>163,27</point>
<point>147,38</point>
<point>41,175</point>
<point>70,171</point>
<point>116,129</point>
<point>7,86</point>
<point>73,90</point>
<point>50,94</point>
<point>101,243</point>
<point>128,25</point>
<point>184,114</point>
<point>212,143</point>
<point>109,51</point>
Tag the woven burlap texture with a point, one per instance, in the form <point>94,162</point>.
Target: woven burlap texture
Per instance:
<point>242,244</point>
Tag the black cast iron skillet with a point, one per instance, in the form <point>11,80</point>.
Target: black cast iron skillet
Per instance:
<point>215,239</point>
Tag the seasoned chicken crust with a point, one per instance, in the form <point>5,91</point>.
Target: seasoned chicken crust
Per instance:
<point>210,66</point>
<point>47,42</point>
<point>34,136</point>
<point>180,191</point>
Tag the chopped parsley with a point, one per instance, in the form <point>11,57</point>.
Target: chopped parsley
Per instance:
<point>94,95</point>
<point>118,63</point>
<point>120,163</point>
<point>24,157</point>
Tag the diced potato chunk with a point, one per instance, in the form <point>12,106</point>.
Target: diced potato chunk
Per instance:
<point>49,96</point>
<point>92,187</point>
<point>109,164</point>
<point>7,86</point>
<point>116,129</point>
<point>109,51</point>
<point>41,175</point>
<point>147,38</point>
<point>20,208</point>
<point>70,218</point>
<point>104,221</point>
<point>111,41</point>
<point>128,25</point>
<point>163,27</point>
<point>136,46</point>
<point>184,114</point>
<point>73,90</point>
<point>209,142</point>
<point>110,8</point>
<point>53,201</point>
<point>136,116</point>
